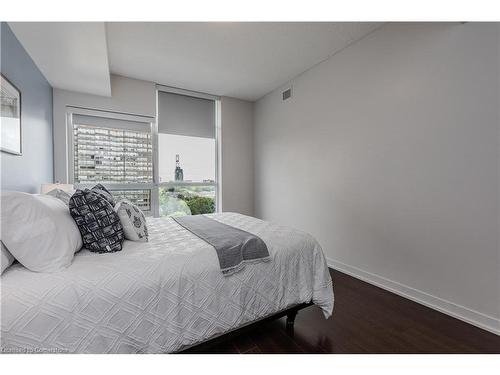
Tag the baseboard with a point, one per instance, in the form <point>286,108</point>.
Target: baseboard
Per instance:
<point>463,313</point>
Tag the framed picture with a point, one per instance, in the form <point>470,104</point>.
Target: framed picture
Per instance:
<point>10,117</point>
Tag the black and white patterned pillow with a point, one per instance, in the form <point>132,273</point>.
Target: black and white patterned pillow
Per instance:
<point>133,221</point>
<point>103,192</point>
<point>98,223</point>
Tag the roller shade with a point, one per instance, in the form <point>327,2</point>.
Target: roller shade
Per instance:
<point>105,122</point>
<point>186,115</point>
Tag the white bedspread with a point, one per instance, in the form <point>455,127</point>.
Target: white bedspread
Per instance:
<point>160,296</point>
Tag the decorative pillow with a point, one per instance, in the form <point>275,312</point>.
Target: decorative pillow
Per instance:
<point>39,231</point>
<point>100,190</point>
<point>63,195</point>
<point>133,221</point>
<point>6,258</point>
<point>98,223</point>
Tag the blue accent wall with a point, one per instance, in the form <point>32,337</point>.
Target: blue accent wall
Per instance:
<point>35,166</point>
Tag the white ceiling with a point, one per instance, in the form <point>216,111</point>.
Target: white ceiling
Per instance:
<point>71,55</point>
<point>242,60</point>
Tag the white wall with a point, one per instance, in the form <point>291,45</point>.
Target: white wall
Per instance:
<point>388,153</point>
<point>34,167</point>
<point>139,98</point>
<point>237,155</point>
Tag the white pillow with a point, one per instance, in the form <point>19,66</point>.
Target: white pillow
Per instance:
<point>39,231</point>
<point>63,195</point>
<point>133,221</point>
<point>6,258</point>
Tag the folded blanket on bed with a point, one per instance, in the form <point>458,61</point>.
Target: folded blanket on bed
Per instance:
<point>234,246</point>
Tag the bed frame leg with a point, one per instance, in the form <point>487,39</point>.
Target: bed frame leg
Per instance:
<point>290,319</point>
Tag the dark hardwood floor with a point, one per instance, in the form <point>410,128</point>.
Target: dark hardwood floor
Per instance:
<point>366,319</point>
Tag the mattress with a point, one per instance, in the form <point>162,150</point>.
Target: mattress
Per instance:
<point>161,296</point>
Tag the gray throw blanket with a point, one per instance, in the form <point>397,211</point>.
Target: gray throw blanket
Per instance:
<point>234,246</point>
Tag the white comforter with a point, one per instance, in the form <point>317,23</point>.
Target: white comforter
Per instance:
<point>160,296</point>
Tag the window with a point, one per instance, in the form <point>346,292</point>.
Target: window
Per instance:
<point>187,155</point>
<point>112,155</point>
<point>193,156</point>
<point>116,152</point>
<point>168,169</point>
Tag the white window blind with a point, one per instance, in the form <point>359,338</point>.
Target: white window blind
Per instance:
<point>186,115</point>
<point>114,123</point>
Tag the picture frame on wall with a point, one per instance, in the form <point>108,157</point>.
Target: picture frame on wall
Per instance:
<point>10,117</point>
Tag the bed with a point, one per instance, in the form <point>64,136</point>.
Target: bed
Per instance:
<point>163,296</point>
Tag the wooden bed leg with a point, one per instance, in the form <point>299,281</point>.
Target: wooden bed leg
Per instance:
<point>290,319</point>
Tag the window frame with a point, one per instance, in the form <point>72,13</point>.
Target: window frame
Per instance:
<point>70,111</point>
<point>218,149</point>
<point>152,122</point>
